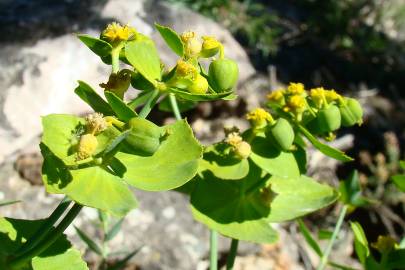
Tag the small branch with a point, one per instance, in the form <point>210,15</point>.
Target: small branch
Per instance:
<point>175,107</point>
<point>213,250</point>
<point>230,261</point>
<point>150,103</point>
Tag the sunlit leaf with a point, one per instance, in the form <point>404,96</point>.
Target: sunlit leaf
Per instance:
<point>171,38</point>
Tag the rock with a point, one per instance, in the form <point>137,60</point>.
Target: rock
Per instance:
<point>39,68</point>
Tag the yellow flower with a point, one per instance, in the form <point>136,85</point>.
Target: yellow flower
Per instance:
<point>192,44</point>
<point>115,32</point>
<point>95,123</point>
<point>259,117</point>
<point>276,96</point>
<point>296,88</point>
<point>87,146</point>
<point>385,244</point>
<point>295,104</point>
<point>185,69</point>
<point>318,96</point>
<point>233,139</point>
<point>210,46</point>
<point>331,95</point>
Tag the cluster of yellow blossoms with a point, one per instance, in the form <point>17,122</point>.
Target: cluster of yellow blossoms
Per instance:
<point>115,32</point>
<point>194,46</point>
<point>259,117</point>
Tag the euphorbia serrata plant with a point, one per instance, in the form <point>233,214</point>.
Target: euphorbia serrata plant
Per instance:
<point>237,187</point>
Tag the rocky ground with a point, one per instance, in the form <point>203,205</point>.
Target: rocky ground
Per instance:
<point>40,62</point>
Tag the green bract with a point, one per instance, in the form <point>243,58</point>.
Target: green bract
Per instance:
<point>172,165</point>
<point>223,74</point>
<point>243,209</point>
<point>281,134</point>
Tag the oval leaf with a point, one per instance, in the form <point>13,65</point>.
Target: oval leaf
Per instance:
<point>172,165</point>
<point>88,95</point>
<point>121,109</point>
<point>171,38</point>
<point>143,56</point>
<point>200,97</point>
<point>98,46</point>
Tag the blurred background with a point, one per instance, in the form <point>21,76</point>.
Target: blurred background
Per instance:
<point>354,46</point>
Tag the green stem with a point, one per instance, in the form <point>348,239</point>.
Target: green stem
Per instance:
<point>149,104</point>
<point>175,106</point>
<point>45,227</point>
<point>232,254</point>
<point>324,259</point>
<point>115,58</point>
<point>49,240</point>
<point>213,250</point>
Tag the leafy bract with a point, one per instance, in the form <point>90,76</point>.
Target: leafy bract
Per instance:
<point>88,95</point>
<point>91,186</point>
<point>172,165</point>
<point>236,208</point>
<point>143,56</point>
<point>171,38</point>
<point>272,160</point>
<point>98,46</point>
<point>324,148</point>
<point>119,107</point>
<point>15,232</point>
<point>399,181</point>
<point>221,165</point>
<point>200,97</point>
<point>61,134</point>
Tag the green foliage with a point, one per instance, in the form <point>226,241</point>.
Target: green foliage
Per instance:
<point>15,232</point>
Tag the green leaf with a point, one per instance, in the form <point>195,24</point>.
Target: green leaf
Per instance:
<point>114,230</point>
<point>243,209</point>
<point>324,234</point>
<point>341,267</point>
<point>272,160</point>
<point>143,56</point>
<point>119,107</point>
<point>89,242</point>
<point>123,262</point>
<point>98,46</point>
<point>309,239</point>
<point>199,97</point>
<point>360,242</point>
<point>171,38</point>
<point>402,164</point>
<point>351,192</point>
<point>4,203</point>
<point>396,259</point>
<point>324,148</point>
<point>88,95</point>
<point>15,232</point>
<point>142,98</point>
<point>221,165</point>
<point>399,181</point>
<point>172,165</point>
<point>81,185</point>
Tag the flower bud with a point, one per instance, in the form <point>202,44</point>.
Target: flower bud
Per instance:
<point>210,47</point>
<point>385,244</point>
<point>281,134</point>
<point>199,85</point>
<point>223,74</point>
<point>144,138</point>
<point>329,119</point>
<point>295,89</point>
<point>351,112</point>
<point>277,97</point>
<point>87,146</point>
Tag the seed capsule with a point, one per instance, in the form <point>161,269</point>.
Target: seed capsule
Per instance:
<point>144,138</point>
<point>281,134</point>
<point>242,150</point>
<point>223,74</point>
<point>329,119</point>
<point>351,112</point>
<point>199,85</point>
